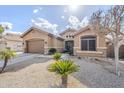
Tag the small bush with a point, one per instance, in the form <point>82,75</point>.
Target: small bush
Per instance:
<point>57,56</point>
<point>52,51</point>
<point>63,67</point>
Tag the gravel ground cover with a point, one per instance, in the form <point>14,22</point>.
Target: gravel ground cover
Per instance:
<point>33,74</point>
<point>97,74</point>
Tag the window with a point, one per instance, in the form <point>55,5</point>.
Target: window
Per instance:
<point>88,43</point>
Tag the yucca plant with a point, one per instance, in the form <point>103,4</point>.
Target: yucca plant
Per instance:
<point>6,54</point>
<point>63,68</point>
<point>57,56</point>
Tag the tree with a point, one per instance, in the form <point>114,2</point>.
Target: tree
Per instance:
<point>6,54</point>
<point>112,23</point>
<point>1,29</point>
<point>63,68</point>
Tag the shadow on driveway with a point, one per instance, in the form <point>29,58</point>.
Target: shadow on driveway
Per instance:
<point>21,65</point>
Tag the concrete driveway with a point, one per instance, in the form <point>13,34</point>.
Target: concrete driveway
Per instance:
<point>19,58</point>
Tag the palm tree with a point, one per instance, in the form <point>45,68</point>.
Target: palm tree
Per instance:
<point>63,68</point>
<point>6,54</point>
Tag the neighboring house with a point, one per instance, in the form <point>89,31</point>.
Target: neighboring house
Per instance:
<point>12,41</point>
<point>40,41</point>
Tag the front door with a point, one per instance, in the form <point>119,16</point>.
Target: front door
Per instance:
<point>69,46</point>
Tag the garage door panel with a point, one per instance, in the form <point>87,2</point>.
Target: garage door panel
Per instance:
<point>36,46</point>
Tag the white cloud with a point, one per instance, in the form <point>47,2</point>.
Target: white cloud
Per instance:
<point>75,23</point>
<point>7,24</point>
<point>13,32</point>
<point>62,17</point>
<point>65,11</point>
<point>45,24</point>
<point>35,10</point>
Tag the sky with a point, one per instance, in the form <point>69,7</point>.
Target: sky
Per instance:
<point>51,18</point>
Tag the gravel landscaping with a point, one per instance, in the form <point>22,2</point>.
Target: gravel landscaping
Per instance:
<point>33,74</point>
<point>96,74</point>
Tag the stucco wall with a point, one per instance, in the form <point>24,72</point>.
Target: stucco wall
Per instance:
<point>68,32</point>
<point>100,44</point>
<point>49,41</point>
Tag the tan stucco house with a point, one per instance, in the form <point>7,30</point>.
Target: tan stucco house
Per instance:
<point>12,41</point>
<point>83,42</point>
<point>39,41</point>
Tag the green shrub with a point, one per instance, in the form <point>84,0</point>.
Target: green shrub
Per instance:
<point>63,68</point>
<point>57,56</point>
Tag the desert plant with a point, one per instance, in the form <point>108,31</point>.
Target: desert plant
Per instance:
<point>6,54</point>
<point>52,51</point>
<point>57,56</point>
<point>63,68</point>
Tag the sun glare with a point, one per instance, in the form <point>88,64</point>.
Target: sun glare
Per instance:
<point>73,7</point>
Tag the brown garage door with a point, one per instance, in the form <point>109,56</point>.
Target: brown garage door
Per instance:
<point>35,46</point>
